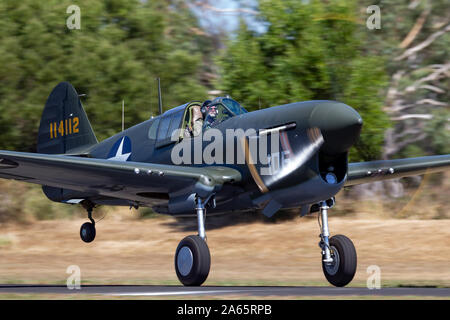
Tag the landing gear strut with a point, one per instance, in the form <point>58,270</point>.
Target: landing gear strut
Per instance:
<point>87,230</point>
<point>338,252</point>
<point>192,257</point>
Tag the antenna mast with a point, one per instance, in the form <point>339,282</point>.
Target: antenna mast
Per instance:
<point>159,96</point>
<point>123,115</point>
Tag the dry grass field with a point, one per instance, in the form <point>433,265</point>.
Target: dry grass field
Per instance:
<point>131,251</point>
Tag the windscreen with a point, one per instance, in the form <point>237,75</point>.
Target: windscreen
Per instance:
<point>234,106</point>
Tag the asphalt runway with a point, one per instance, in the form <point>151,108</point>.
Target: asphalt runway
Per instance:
<point>273,291</point>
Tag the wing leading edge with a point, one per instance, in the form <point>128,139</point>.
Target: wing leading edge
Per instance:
<point>364,172</point>
<point>110,178</point>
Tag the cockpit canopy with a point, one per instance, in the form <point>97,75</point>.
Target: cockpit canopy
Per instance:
<point>230,104</point>
<point>179,120</point>
<point>219,110</point>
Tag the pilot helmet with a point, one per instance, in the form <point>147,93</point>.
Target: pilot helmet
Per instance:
<point>210,109</point>
<point>204,107</point>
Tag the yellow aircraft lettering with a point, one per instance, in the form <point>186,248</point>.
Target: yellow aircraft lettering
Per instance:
<point>61,128</point>
<point>76,121</point>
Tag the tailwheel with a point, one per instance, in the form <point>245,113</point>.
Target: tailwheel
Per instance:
<point>192,261</point>
<point>87,232</point>
<point>342,269</point>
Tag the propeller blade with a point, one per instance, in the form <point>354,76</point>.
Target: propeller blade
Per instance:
<point>286,157</point>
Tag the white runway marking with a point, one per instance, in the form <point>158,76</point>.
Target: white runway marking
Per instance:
<point>173,293</point>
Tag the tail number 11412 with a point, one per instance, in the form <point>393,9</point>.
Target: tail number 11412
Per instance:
<point>64,127</point>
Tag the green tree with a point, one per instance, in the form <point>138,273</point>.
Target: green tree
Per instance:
<point>309,50</point>
<point>121,48</point>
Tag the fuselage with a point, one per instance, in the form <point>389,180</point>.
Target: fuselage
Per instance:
<point>271,176</point>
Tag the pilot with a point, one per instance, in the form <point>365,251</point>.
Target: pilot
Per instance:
<point>204,106</point>
<point>211,116</point>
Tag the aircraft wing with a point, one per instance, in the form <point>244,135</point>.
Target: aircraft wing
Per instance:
<point>364,172</point>
<point>110,178</point>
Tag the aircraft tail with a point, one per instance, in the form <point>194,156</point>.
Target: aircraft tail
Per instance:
<point>64,127</point>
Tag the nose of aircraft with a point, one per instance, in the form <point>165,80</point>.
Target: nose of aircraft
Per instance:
<point>340,125</point>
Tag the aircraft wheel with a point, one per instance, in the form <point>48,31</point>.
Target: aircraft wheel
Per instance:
<point>342,270</point>
<point>87,232</point>
<point>192,261</point>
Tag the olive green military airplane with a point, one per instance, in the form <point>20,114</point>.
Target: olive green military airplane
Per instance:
<point>288,156</point>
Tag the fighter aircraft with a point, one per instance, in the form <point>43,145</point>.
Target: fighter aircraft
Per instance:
<point>301,162</point>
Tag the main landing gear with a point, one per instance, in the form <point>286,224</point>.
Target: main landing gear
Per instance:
<point>192,257</point>
<point>87,230</point>
<point>338,252</point>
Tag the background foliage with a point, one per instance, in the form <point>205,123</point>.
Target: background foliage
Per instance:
<point>121,48</point>
<point>282,51</point>
<point>314,51</point>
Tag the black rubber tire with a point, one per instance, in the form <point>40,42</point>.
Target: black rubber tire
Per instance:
<point>347,261</point>
<point>201,261</point>
<point>89,232</point>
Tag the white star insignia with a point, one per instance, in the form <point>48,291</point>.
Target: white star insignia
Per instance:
<point>119,155</point>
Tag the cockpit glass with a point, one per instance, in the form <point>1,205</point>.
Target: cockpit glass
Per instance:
<point>234,106</point>
<point>216,114</point>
